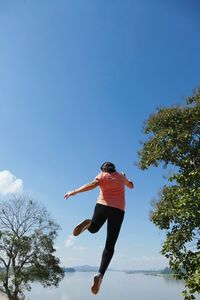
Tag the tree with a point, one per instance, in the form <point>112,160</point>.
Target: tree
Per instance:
<point>173,139</point>
<point>27,236</point>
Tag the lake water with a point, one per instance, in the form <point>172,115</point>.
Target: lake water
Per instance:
<point>116,286</point>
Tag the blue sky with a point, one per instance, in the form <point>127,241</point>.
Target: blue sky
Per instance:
<point>77,81</point>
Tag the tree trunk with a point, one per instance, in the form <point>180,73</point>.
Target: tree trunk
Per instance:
<point>13,297</point>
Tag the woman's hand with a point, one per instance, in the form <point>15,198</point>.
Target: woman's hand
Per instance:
<point>69,194</point>
<point>84,188</point>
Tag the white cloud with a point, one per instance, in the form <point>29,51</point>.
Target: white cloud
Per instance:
<point>72,259</point>
<point>80,248</point>
<point>70,241</point>
<point>152,262</point>
<point>149,262</point>
<point>9,184</point>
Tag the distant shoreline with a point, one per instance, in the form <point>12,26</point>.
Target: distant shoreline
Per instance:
<point>86,268</point>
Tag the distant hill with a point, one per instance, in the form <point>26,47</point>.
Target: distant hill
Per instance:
<point>84,268</point>
<point>70,270</point>
<point>87,268</point>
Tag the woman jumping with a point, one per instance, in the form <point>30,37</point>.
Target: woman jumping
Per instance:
<point>110,207</point>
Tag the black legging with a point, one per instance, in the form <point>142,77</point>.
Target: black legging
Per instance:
<point>114,216</point>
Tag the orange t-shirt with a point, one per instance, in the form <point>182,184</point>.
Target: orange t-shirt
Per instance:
<point>112,189</point>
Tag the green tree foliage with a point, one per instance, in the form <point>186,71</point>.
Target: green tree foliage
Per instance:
<point>27,236</point>
<point>174,140</point>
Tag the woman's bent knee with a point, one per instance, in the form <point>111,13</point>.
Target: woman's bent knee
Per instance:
<point>93,228</point>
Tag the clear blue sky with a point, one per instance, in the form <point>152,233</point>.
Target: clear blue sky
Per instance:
<point>77,81</point>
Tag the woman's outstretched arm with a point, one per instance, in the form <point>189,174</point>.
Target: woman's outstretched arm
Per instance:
<point>84,188</point>
<point>128,182</point>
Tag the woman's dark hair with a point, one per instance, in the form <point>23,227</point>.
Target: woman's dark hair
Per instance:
<point>108,167</point>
